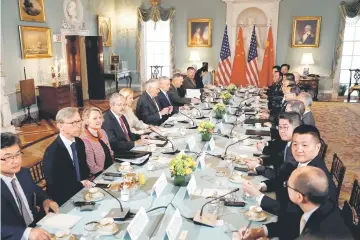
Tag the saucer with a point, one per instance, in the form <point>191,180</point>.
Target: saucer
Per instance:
<point>72,237</point>
<point>108,233</point>
<point>262,216</point>
<point>122,169</point>
<point>90,198</point>
<point>236,178</point>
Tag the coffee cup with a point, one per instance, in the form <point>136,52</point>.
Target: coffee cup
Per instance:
<point>106,224</point>
<point>246,142</point>
<point>150,166</point>
<point>255,211</point>
<point>257,125</point>
<point>95,193</point>
<point>125,165</point>
<point>63,234</point>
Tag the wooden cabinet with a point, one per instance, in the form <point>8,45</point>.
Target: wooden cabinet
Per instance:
<point>53,98</point>
<point>310,85</point>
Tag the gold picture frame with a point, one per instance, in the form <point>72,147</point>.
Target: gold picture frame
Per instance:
<point>306,32</point>
<point>104,30</point>
<point>32,11</point>
<point>200,32</point>
<point>35,42</point>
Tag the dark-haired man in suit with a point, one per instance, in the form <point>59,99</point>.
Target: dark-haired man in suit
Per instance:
<point>163,98</point>
<point>19,212</point>
<point>65,167</point>
<point>175,98</point>
<point>121,138</point>
<point>308,188</point>
<point>285,68</point>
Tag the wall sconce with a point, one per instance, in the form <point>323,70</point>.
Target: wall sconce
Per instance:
<point>194,58</point>
<point>307,59</point>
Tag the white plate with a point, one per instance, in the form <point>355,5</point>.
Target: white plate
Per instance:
<point>262,217</point>
<point>96,199</point>
<point>236,179</point>
<point>121,169</point>
<point>106,233</point>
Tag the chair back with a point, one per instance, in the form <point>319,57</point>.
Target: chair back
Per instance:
<point>356,75</point>
<point>351,211</point>
<point>37,174</point>
<point>355,197</point>
<point>323,148</point>
<point>338,172</point>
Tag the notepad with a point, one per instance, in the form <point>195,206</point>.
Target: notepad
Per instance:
<point>59,221</point>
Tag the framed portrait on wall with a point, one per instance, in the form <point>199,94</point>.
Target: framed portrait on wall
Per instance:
<point>104,30</point>
<point>35,42</point>
<point>32,10</point>
<point>200,32</point>
<point>306,32</point>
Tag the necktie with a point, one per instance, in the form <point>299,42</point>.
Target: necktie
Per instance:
<point>302,223</point>
<point>285,151</point>
<point>75,161</point>
<point>124,129</point>
<point>23,210</point>
<point>167,97</point>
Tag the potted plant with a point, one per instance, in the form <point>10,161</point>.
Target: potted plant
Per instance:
<point>342,89</point>
<point>181,168</point>
<point>231,88</point>
<point>225,96</point>
<point>220,110</point>
<point>206,129</point>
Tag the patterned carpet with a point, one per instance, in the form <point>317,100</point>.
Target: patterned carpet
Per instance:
<point>338,123</point>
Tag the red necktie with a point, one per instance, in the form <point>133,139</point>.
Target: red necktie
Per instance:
<point>124,129</point>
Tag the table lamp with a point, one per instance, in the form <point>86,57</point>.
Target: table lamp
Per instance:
<point>194,58</point>
<point>307,59</point>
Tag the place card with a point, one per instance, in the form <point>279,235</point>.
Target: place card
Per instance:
<point>137,225</point>
<point>183,235</point>
<point>174,226</point>
<point>220,128</point>
<point>211,145</point>
<point>190,144</point>
<point>159,185</point>
<point>191,187</point>
<point>226,118</point>
<point>201,161</point>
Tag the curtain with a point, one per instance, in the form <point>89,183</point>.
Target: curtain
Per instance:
<point>155,13</point>
<point>350,10</point>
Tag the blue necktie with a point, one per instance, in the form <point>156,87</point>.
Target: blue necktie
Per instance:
<point>167,97</point>
<point>75,161</point>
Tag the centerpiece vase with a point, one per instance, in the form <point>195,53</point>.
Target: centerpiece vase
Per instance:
<point>226,101</point>
<point>219,115</point>
<point>206,137</point>
<point>181,181</point>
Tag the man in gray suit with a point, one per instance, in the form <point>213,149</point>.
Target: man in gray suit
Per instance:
<point>308,117</point>
<point>173,94</point>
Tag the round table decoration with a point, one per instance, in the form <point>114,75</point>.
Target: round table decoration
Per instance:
<point>181,167</point>
<point>220,110</point>
<point>206,129</point>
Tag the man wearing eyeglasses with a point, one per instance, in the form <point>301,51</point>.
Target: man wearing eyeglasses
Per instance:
<point>117,128</point>
<point>319,218</point>
<point>20,196</point>
<point>65,167</point>
<point>305,148</point>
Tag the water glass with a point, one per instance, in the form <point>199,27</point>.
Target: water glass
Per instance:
<point>183,131</point>
<point>213,207</point>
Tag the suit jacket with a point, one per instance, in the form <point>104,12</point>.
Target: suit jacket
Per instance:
<point>188,84</point>
<point>308,118</point>
<point>60,173</point>
<point>163,102</point>
<point>282,202</point>
<point>175,97</point>
<point>147,111</point>
<point>117,137</point>
<point>12,222</point>
<point>325,223</point>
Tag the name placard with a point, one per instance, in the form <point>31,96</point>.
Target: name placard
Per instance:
<point>211,145</point>
<point>191,187</point>
<point>201,161</point>
<point>174,226</point>
<point>159,185</point>
<point>190,144</point>
<point>137,225</point>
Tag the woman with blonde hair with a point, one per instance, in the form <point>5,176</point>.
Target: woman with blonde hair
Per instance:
<point>99,155</point>
<point>136,125</point>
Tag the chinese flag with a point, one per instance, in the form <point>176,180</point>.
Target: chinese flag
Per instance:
<point>238,73</point>
<point>266,71</point>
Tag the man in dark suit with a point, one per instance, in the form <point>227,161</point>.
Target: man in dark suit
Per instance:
<point>287,123</point>
<point>163,98</point>
<point>117,128</point>
<point>296,106</point>
<point>147,109</point>
<point>304,135</point>
<point>308,188</point>
<point>189,82</point>
<point>174,96</point>
<point>308,117</point>
<point>65,167</point>
<point>19,211</point>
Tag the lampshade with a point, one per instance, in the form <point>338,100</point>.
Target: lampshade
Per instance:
<point>307,59</point>
<point>194,56</point>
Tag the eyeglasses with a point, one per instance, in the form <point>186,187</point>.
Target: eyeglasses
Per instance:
<point>286,185</point>
<point>285,128</point>
<point>121,105</point>
<point>16,155</point>
<point>74,123</point>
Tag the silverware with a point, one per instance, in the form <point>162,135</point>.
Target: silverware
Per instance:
<point>247,228</point>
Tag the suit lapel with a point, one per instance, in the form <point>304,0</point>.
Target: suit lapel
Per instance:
<point>66,155</point>
<point>5,191</point>
<point>149,99</point>
<point>116,123</point>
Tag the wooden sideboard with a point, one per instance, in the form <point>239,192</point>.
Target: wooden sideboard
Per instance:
<point>310,85</point>
<point>53,98</point>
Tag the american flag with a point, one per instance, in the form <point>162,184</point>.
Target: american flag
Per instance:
<point>224,68</point>
<point>252,74</point>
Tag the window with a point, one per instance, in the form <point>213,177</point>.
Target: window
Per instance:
<point>350,52</point>
<point>157,47</point>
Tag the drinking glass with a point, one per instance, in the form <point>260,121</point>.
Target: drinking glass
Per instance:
<point>183,131</point>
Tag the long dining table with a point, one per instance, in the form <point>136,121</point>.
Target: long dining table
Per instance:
<point>160,209</point>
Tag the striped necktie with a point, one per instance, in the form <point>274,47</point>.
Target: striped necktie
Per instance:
<point>124,129</point>
<point>24,212</point>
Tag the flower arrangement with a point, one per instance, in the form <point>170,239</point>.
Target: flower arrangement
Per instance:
<point>231,87</point>
<point>225,96</point>
<point>182,165</point>
<point>206,129</point>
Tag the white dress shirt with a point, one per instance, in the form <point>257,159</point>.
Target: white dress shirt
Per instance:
<point>118,120</point>
<point>306,216</point>
<point>67,144</point>
<point>7,181</point>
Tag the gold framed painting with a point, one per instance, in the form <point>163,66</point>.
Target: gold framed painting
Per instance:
<point>35,42</point>
<point>104,30</point>
<point>200,32</point>
<point>32,10</point>
<point>306,32</point>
